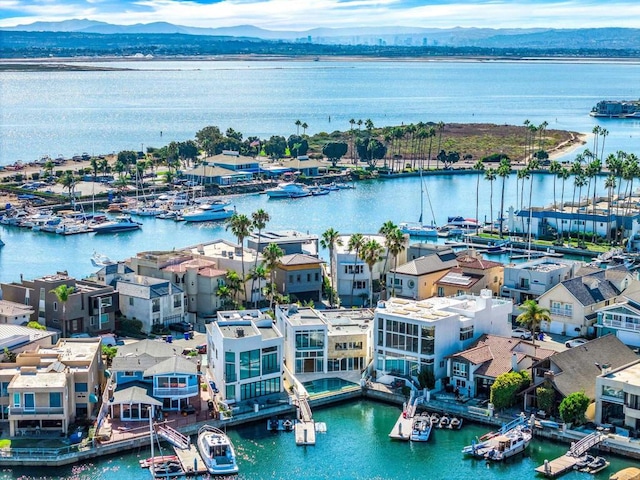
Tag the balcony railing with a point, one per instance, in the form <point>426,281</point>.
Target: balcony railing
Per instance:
<point>36,411</point>
<point>609,322</point>
<point>176,391</point>
<point>561,312</point>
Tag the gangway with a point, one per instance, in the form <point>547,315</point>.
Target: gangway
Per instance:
<point>580,448</point>
<point>174,437</point>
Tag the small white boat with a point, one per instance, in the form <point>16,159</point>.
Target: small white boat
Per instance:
<point>507,445</point>
<point>100,260</point>
<point>208,212</point>
<point>421,430</point>
<point>455,423</point>
<point>444,422</point>
<point>217,451</point>
<point>288,190</point>
<point>596,465</point>
<point>418,229</point>
<point>122,223</point>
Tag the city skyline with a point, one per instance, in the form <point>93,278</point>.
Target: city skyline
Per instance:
<point>300,15</point>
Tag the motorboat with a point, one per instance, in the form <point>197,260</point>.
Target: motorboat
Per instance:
<point>583,462</point>
<point>217,451</point>
<point>444,422</point>
<point>455,423</point>
<point>279,425</point>
<point>435,419</point>
<point>317,191</point>
<point>418,229</point>
<point>100,260</point>
<point>421,429</point>
<point>288,190</point>
<point>208,212</point>
<point>122,223</point>
<point>596,465</point>
<point>457,226</point>
<point>503,446</point>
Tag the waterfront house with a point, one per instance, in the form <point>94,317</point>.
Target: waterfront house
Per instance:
<point>198,275</point>
<point>290,241</point>
<point>528,280</point>
<point>576,369</point>
<point>416,279</point>
<point>300,276</point>
<point>304,165</point>
<point>574,303</point>
<point>411,336</point>
<point>90,308</point>
<point>622,318</point>
<point>151,373</point>
<point>474,370</point>
<point>49,388</point>
<point>617,396</point>
<point>226,168</point>
<point>321,341</point>
<point>422,249</point>
<point>353,279</point>
<point>18,338</point>
<point>244,355</point>
<point>472,275</point>
<point>152,301</point>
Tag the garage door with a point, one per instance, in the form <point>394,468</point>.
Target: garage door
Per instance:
<point>556,327</point>
<point>629,338</point>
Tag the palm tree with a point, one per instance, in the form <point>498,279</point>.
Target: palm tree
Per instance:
<point>235,284</point>
<point>304,128</point>
<point>259,221</point>
<point>523,174</point>
<point>396,246</point>
<point>604,132</point>
<point>440,130</point>
<point>533,165</point>
<point>554,169</point>
<point>356,241</point>
<point>490,175</point>
<point>298,123</point>
<point>532,315</point>
<point>387,230</point>
<point>329,240</point>
<point>241,227</point>
<point>257,273</point>
<point>431,133</point>
<point>225,294</point>
<point>480,168</point>
<point>352,122</point>
<point>564,175</point>
<point>593,169</point>
<point>271,256</point>
<point>371,253</point>
<point>610,185</point>
<point>504,170</point>
<point>68,180</point>
<point>62,293</point>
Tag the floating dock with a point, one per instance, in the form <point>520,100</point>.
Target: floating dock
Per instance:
<point>563,464</point>
<point>305,429</point>
<point>191,461</point>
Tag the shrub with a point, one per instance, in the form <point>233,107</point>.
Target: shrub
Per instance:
<point>546,398</point>
<point>573,408</point>
<point>505,388</point>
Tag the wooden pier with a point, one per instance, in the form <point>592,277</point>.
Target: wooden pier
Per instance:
<point>191,461</point>
<point>305,428</point>
<point>402,429</point>
<point>557,467</point>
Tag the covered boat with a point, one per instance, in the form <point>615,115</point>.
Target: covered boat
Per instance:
<point>217,451</point>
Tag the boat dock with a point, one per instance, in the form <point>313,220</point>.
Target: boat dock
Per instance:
<point>566,462</point>
<point>191,461</point>
<point>304,429</point>
<point>402,428</point>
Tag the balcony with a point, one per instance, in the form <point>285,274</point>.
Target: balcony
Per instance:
<point>176,392</point>
<point>631,412</point>
<point>561,312</point>
<point>632,326</point>
<point>41,411</point>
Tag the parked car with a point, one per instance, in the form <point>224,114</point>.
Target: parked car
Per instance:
<point>576,342</point>
<point>522,333</point>
<point>181,327</point>
<point>202,349</point>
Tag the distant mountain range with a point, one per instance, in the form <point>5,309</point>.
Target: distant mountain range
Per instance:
<point>548,39</point>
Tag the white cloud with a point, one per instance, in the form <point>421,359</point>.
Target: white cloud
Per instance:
<point>306,14</point>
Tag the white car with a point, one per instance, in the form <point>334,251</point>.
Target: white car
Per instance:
<point>576,342</point>
<point>522,333</point>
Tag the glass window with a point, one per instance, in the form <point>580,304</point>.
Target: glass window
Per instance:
<point>82,387</point>
<point>269,363</point>
<point>249,364</point>
<point>55,399</point>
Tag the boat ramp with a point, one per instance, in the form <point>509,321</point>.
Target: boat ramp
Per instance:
<point>569,460</point>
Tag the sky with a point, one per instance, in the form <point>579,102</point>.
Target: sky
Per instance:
<point>300,15</point>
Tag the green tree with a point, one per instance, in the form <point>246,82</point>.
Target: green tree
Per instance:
<point>224,292</point>
<point>356,241</point>
<point>259,220</point>
<point>275,147</point>
<point>209,139</point>
<point>506,387</point>
<point>109,353</point>
<point>573,407</point>
<point>532,315</point>
<point>69,181</point>
<point>490,176</point>
<point>478,167</point>
<point>546,396</point>
<point>241,227</point>
<point>256,273</point>
<point>35,325</point>
<point>297,145</point>
<point>329,240</point>
<point>235,284</point>
<point>271,256</point>
<point>395,244</point>
<point>426,378</point>
<point>504,170</point>
<point>371,253</point>
<point>62,293</point>
<point>334,151</point>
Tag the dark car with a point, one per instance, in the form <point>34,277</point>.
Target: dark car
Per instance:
<point>181,327</point>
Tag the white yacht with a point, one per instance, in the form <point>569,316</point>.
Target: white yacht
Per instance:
<point>122,223</point>
<point>421,429</point>
<point>288,190</point>
<point>502,446</point>
<point>208,212</point>
<point>217,451</point>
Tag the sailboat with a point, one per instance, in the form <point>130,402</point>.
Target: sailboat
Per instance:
<point>419,229</point>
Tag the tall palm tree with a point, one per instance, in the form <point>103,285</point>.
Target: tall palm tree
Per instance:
<point>579,182</point>
<point>440,130</point>
<point>533,165</point>
<point>490,176</point>
<point>304,128</point>
<point>610,185</point>
<point>479,168</point>
<point>387,230</point>
<point>241,227</point>
<point>504,170</point>
<point>259,220</point>
<point>271,256</point>
<point>564,175</point>
<point>225,294</point>
<point>431,133</point>
<point>352,122</point>
<point>257,273</point>
<point>298,123</point>
<point>235,284</point>
<point>593,169</point>
<point>604,133</point>
<point>330,240</point>
<point>554,169</point>
<point>396,245</point>
<point>356,241</point>
<point>532,315</point>
<point>62,293</point>
<point>523,174</point>
<point>371,253</point>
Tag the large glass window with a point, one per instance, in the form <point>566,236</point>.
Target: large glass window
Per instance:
<point>270,360</point>
<point>249,364</point>
<point>258,389</point>
<point>312,339</point>
<point>81,387</point>
<point>55,399</point>
<point>230,367</point>
<point>428,340</point>
<point>459,369</point>
<point>466,333</point>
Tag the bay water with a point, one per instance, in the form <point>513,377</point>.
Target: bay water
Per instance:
<point>355,447</point>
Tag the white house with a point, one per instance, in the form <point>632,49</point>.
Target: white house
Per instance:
<point>245,352</point>
<point>151,300</point>
<point>410,336</point>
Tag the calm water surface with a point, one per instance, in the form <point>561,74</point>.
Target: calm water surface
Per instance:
<point>355,447</point>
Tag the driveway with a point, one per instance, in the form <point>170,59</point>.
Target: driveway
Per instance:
<point>553,341</point>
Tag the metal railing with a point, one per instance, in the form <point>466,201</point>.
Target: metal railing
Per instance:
<point>36,411</point>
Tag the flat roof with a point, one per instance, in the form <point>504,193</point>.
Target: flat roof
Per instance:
<point>39,380</point>
<point>629,375</point>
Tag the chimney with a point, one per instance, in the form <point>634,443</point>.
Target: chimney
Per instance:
<point>514,362</point>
